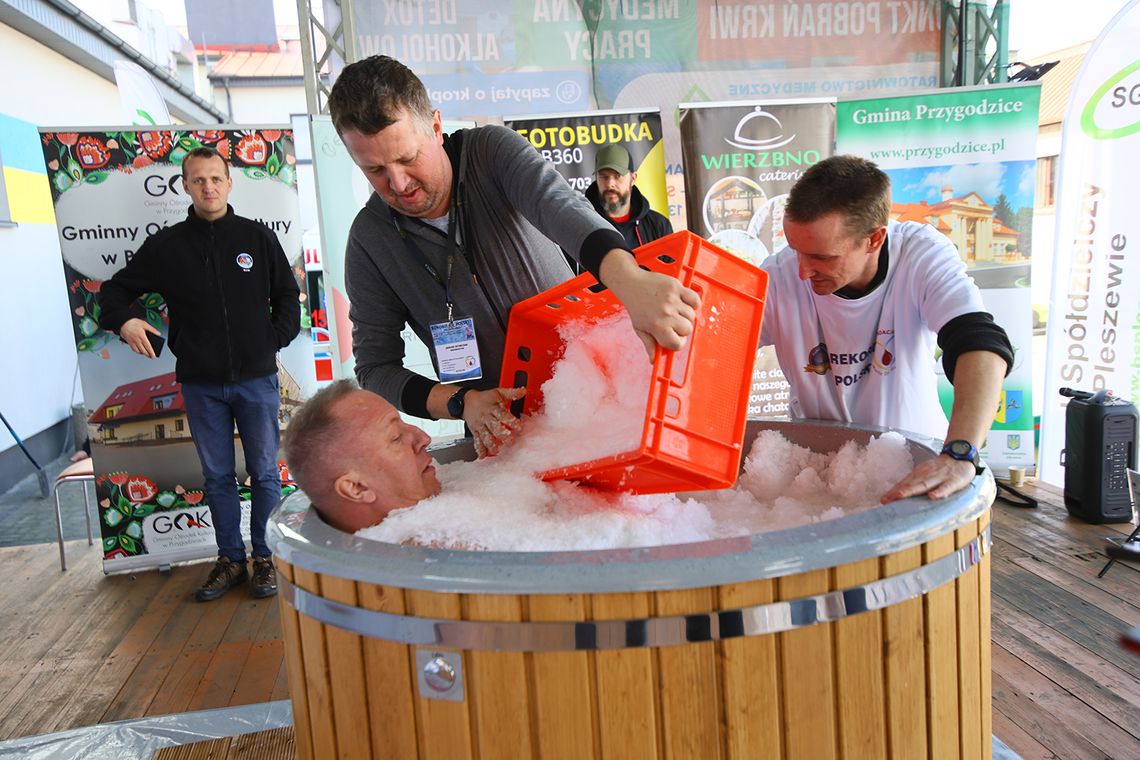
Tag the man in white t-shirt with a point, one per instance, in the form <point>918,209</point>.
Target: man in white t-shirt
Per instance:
<point>855,305</point>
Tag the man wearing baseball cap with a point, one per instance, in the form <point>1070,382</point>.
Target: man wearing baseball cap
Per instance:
<point>617,199</point>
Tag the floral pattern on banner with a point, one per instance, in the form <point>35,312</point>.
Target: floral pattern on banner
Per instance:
<point>85,305</point>
<point>125,499</point>
<point>75,158</point>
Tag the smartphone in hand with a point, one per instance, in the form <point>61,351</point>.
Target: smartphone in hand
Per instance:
<point>156,343</point>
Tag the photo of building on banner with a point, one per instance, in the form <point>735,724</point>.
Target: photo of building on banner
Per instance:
<point>740,161</point>
<point>964,162</point>
<point>616,158</point>
<point>112,189</point>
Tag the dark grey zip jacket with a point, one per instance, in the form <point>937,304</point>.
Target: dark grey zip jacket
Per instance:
<point>514,211</point>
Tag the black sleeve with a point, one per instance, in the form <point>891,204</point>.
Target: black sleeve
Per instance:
<point>976,331</point>
<point>414,397</point>
<point>597,244</point>
<point>284,299</point>
<point>117,294</point>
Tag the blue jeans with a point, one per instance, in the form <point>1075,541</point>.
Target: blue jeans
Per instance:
<point>212,409</point>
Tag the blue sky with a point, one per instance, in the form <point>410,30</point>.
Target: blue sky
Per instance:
<point>1014,178</point>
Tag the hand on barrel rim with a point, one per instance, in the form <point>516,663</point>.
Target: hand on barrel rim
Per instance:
<point>937,478</point>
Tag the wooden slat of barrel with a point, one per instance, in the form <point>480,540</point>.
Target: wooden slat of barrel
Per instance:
<point>859,671</point>
<point>985,635</point>
<point>444,726</point>
<point>942,658</point>
<point>806,668</point>
<point>969,652</point>
<point>748,681</point>
<point>295,667</point>
<point>388,672</point>
<point>497,689</point>
<point>904,657</point>
<point>564,702</point>
<point>628,715</point>
<point>321,719</point>
<point>346,675</point>
<point>818,691</point>
<point>689,693</point>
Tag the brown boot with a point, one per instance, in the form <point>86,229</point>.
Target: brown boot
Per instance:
<point>264,578</point>
<point>225,575</point>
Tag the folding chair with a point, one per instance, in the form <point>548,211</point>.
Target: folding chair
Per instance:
<point>82,472</point>
<point>1127,549</point>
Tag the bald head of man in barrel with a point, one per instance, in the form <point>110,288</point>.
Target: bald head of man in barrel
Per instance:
<point>357,460</point>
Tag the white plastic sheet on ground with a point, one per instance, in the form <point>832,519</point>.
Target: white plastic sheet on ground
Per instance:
<point>143,737</point>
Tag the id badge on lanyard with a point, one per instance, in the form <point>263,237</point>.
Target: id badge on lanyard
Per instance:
<point>456,350</point>
<point>454,341</point>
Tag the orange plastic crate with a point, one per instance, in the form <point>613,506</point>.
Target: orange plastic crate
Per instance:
<point>698,396</point>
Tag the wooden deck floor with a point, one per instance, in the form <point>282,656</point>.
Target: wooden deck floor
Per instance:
<point>81,648</point>
<point>1063,686</point>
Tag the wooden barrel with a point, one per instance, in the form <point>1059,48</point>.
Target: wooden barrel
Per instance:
<point>862,637</point>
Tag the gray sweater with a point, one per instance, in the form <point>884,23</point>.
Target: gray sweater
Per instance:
<point>515,211</point>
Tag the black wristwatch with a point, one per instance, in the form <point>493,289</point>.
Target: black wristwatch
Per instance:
<point>963,451</point>
<point>455,403</point>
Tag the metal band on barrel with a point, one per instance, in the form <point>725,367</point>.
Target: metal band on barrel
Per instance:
<point>758,620</point>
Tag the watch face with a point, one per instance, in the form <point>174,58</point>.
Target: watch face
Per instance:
<point>960,448</point>
<point>455,404</point>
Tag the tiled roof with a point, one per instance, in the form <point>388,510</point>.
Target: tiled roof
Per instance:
<point>1057,83</point>
<point>137,399</point>
<point>911,212</point>
<point>923,213</point>
<point>258,66</point>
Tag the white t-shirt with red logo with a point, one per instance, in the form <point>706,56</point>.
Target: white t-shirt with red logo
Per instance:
<point>870,360</point>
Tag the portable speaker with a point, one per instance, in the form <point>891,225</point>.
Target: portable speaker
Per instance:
<point>1100,448</point>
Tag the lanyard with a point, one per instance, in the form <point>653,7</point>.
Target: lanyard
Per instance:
<point>418,254</point>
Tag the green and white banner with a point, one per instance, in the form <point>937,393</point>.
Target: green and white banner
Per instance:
<point>964,161</point>
<point>1093,333</point>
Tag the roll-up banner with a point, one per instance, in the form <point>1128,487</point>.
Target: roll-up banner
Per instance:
<point>112,188</point>
<point>740,161</point>
<point>571,142</point>
<point>1093,334</point>
<point>964,161</point>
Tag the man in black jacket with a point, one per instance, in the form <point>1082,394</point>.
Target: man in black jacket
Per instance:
<point>233,303</point>
<point>617,199</point>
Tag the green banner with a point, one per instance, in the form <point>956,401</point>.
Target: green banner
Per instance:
<point>554,34</point>
<point>964,161</point>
